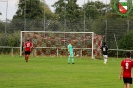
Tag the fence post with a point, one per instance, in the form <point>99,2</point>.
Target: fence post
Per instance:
<point>12,51</point>
<point>57,52</point>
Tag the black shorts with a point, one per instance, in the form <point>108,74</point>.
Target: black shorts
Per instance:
<point>127,80</point>
<point>27,52</point>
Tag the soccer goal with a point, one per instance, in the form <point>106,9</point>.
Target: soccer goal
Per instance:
<point>51,43</point>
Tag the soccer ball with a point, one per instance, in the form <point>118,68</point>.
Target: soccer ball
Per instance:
<point>77,55</point>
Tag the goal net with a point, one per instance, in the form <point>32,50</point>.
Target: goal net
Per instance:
<point>50,43</point>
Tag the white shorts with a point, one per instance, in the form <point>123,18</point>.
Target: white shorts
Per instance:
<point>105,56</point>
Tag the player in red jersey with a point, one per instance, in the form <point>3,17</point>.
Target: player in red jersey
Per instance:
<point>126,70</point>
<point>27,46</point>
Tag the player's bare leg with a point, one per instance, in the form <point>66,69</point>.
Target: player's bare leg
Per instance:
<point>125,85</point>
<point>26,57</point>
<point>128,85</point>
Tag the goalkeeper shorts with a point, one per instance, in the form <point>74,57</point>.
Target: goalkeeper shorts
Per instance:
<point>71,54</point>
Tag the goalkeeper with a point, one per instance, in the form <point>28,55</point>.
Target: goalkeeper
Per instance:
<point>70,52</point>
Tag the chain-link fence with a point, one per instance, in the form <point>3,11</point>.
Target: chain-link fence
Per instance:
<point>106,27</point>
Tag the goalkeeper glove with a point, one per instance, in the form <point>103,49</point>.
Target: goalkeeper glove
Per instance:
<point>68,53</point>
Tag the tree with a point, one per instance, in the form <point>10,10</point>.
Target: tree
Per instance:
<point>96,9</point>
<point>35,9</point>
<point>126,42</point>
<point>69,12</point>
<point>68,9</point>
<point>31,15</point>
<point>29,9</point>
<point>91,11</point>
<point>2,27</point>
<point>48,13</point>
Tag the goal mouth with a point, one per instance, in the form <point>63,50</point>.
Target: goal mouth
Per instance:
<point>51,43</point>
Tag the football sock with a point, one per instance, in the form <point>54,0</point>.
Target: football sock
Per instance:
<point>68,59</point>
<point>72,60</point>
<point>105,60</point>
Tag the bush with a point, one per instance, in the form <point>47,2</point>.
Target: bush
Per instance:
<point>126,42</point>
<point>10,40</point>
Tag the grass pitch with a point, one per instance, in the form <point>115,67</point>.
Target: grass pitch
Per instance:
<point>54,72</point>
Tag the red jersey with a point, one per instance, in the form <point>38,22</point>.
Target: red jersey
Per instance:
<point>127,65</point>
<point>28,46</point>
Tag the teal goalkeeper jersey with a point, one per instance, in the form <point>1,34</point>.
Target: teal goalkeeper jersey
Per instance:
<point>70,48</point>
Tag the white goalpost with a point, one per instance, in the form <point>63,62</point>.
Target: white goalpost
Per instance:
<point>55,43</point>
